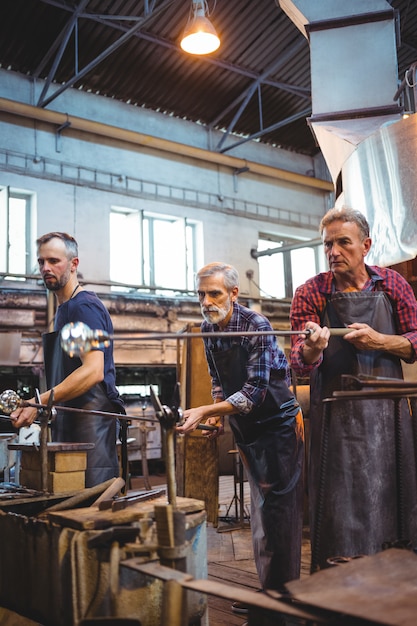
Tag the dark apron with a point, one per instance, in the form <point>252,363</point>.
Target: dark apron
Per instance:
<point>270,440</point>
<point>353,472</point>
<point>102,462</point>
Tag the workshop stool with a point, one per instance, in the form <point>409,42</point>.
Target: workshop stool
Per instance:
<point>238,499</point>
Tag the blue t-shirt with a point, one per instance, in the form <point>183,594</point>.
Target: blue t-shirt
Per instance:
<point>86,307</point>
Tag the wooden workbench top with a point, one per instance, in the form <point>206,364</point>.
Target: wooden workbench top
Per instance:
<point>52,446</point>
<point>91,518</point>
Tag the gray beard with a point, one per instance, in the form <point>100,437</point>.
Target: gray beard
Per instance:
<point>220,314</point>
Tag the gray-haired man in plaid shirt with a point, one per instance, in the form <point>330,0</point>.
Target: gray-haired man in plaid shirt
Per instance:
<point>250,384</point>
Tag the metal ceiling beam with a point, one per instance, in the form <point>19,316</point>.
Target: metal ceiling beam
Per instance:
<point>297,90</point>
<point>231,106</point>
<point>247,95</point>
<point>269,129</point>
<point>116,23</point>
<point>43,102</point>
<point>63,38</point>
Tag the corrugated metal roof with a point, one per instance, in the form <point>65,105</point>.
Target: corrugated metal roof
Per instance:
<point>261,50</point>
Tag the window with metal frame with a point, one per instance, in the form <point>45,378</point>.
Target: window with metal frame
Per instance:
<point>153,252</point>
<point>17,234</point>
<point>284,264</point>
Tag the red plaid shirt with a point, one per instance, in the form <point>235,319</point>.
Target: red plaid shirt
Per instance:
<point>310,300</point>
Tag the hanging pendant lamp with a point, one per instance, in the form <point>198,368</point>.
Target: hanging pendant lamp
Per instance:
<point>199,36</point>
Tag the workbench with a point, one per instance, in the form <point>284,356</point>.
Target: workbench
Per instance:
<point>63,568</point>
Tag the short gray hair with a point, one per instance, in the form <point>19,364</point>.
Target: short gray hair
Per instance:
<point>230,274</point>
<point>69,241</point>
<point>346,214</point>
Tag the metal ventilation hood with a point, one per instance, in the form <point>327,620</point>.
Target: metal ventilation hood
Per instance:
<point>355,119</point>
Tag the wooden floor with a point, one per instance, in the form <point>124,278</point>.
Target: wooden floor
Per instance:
<point>230,555</point>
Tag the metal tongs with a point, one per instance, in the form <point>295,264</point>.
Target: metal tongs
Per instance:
<point>374,386</point>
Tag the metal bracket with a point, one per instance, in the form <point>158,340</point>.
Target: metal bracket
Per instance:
<point>58,139</point>
<point>236,173</point>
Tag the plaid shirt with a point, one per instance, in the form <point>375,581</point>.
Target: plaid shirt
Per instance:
<point>310,300</point>
<point>263,355</point>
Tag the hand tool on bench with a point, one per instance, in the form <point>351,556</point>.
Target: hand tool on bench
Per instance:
<point>118,504</point>
<point>111,491</point>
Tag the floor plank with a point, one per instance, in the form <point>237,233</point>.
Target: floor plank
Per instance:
<point>230,555</point>
<point>242,545</point>
<point>219,546</point>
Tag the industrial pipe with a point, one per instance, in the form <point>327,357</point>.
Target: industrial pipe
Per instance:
<point>128,136</point>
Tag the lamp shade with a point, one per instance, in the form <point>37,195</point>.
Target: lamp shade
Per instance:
<point>200,36</point>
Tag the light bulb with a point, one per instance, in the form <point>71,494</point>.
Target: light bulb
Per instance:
<point>200,36</point>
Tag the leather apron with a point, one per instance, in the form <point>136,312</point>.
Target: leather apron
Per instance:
<point>102,462</point>
<point>353,479</point>
<point>270,440</point>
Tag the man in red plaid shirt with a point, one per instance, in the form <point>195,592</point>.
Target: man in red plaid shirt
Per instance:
<point>362,477</point>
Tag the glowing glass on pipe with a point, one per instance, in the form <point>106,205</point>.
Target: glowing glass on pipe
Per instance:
<point>78,338</point>
<point>9,401</point>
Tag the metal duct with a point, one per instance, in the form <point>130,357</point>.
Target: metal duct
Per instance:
<point>379,180</point>
<point>353,71</point>
<point>355,118</point>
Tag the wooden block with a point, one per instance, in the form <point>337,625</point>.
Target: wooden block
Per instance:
<point>68,461</point>
<point>63,482</point>
<point>58,482</point>
<point>57,461</point>
<point>30,460</point>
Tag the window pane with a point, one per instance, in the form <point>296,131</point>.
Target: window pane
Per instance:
<point>191,269</point>
<point>4,244</point>
<point>303,265</point>
<point>125,247</point>
<point>161,250</point>
<point>271,272</point>
<point>147,234</point>
<point>17,235</point>
<point>297,265</point>
<point>141,390</point>
<point>169,254</point>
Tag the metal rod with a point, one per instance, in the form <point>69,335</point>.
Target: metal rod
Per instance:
<point>170,466</point>
<point>334,332</point>
<point>78,338</point>
<point>367,394</point>
<point>101,336</point>
<point>245,333</point>
<point>255,254</point>
<point>122,416</point>
<point>69,409</point>
<point>44,415</point>
<point>378,382</point>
